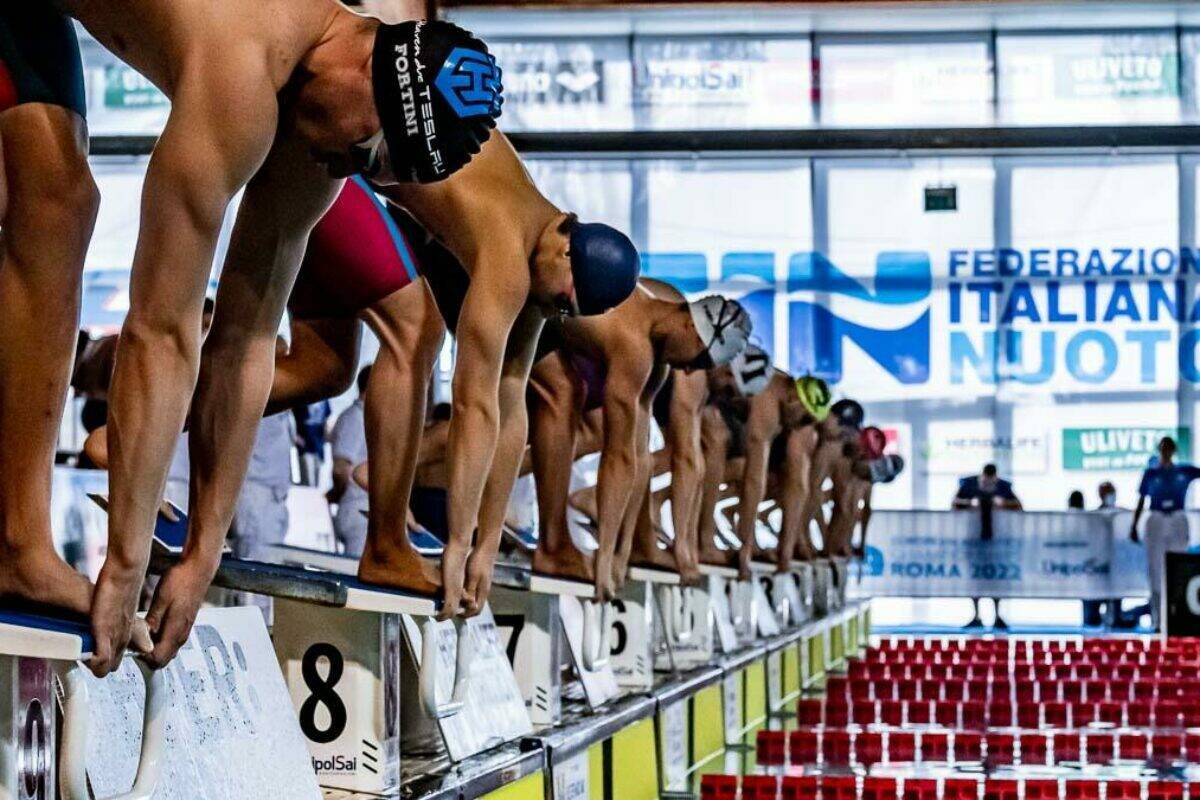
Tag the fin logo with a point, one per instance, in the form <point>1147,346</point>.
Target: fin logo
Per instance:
<point>889,322</point>
<point>886,317</point>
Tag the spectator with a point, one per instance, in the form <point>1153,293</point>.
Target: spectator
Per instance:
<point>1108,496</point>
<point>1166,484</point>
<point>987,490</point>
<point>1075,501</point>
<point>349,440</point>
<point>310,439</point>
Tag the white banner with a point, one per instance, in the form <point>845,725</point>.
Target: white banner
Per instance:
<point>1084,555</point>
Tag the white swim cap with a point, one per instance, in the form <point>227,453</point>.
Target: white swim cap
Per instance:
<point>723,326</point>
<point>751,370</point>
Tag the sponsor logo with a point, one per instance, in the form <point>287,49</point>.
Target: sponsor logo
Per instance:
<point>1106,449</point>
<point>1067,569</point>
<point>470,82</point>
<point>335,764</point>
<point>873,562</point>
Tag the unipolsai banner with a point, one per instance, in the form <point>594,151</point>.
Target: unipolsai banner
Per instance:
<point>1070,555</point>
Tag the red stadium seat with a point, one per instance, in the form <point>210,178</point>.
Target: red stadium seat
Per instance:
<point>920,789</point>
<point>760,787</point>
<point>868,748</point>
<point>718,787</point>
<point>1041,789</point>
<point>800,787</point>
<point>918,712</point>
<point>1000,789</point>
<point>968,746</point>
<point>1133,746</point>
<point>1066,747</point>
<point>771,746</point>
<point>935,747</point>
<point>1123,790</point>
<point>809,711</point>
<point>879,788</point>
<point>1034,748</point>
<point>960,789</point>
<point>835,746</point>
<point>1082,789</point>
<point>1001,748</point>
<point>902,747</point>
<point>1166,746</point>
<point>802,747</point>
<point>1100,748</point>
<point>1164,790</point>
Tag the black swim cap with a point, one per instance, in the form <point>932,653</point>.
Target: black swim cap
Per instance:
<point>438,94</point>
<point>849,413</point>
<point>605,266</point>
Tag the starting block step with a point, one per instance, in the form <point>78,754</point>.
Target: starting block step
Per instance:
<point>312,586</point>
<point>45,633</point>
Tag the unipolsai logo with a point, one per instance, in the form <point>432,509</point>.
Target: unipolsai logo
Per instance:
<point>888,320</point>
<point>470,82</point>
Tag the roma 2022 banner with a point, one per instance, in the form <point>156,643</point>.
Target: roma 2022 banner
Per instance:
<point>1084,555</point>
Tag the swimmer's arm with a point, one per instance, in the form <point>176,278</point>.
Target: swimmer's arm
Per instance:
<point>761,428</point>
<point>510,449</point>
<point>282,202</point>
<point>627,378</point>
<point>218,133</point>
<point>490,309</point>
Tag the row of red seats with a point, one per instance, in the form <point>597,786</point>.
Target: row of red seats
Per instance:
<point>841,747</point>
<point>1163,714</point>
<point>848,787</point>
<point>1022,689</point>
<point>922,668</point>
<point>1020,660</point>
<point>1131,644</point>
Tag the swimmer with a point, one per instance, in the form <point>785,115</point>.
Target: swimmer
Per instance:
<point>691,410</point>
<point>851,494</point>
<point>283,111</point>
<point>618,362</point>
<point>784,407</point>
<point>837,432</point>
<point>48,207</point>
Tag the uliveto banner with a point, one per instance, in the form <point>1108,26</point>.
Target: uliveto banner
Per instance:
<point>1085,555</point>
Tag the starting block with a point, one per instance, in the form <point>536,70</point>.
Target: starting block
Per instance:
<point>216,722</point>
<point>464,681</point>
<point>718,583</point>
<point>554,622</point>
<point>338,642</point>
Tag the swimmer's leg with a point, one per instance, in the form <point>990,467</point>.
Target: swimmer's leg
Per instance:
<point>555,401</point>
<point>49,213</point>
<point>410,332</point>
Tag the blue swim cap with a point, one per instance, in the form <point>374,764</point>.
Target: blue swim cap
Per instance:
<point>605,266</point>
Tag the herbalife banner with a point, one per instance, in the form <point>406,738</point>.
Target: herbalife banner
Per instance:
<point>1085,555</point>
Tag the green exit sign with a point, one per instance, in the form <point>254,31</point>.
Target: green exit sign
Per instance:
<point>941,198</point>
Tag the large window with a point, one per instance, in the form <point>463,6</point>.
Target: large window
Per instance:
<point>910,81</point>
<point>1101,78</point>
<point>736,82</point>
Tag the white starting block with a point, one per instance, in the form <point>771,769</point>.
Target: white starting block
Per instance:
<point>355,734</point>
<point>216,722</point>
<point>553,621</point>
<point>718,586</point>
<point>766,614</point>
<point>824,600</point>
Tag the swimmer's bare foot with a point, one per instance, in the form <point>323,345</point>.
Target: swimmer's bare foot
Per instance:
<point>40,575</point>
<point>398,567</point>
<point>651,556</point>
<point>768,555</point>
<point>567,563</point>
